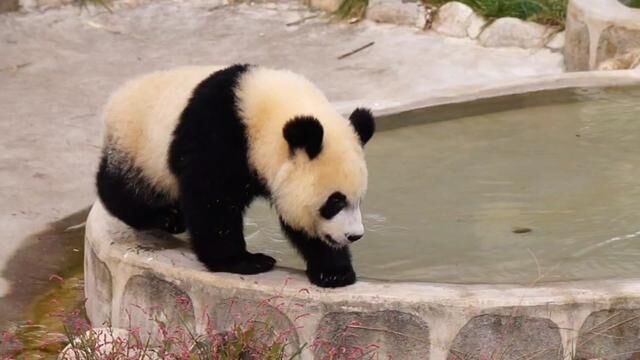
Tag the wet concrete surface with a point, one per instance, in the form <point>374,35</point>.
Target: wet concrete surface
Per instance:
<point>42,262</point>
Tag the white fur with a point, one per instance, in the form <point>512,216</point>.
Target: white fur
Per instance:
<point>141,116</point>
<point>347,222</point>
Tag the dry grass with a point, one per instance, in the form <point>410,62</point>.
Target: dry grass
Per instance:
<point>250,336</point>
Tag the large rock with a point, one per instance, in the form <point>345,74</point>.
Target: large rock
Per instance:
<point>512,32</point>
<point>508,338</point>
<point>476,25</point>
<point>393,12</point>
<point>325,5</point>
<point>610,334</point>
<point>598,30</point>
<point>457,19</point>
<point>395,334</point>
<point>149,301</point>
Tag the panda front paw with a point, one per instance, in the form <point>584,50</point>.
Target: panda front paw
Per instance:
<point>332,278</point>
<point>247,264</point>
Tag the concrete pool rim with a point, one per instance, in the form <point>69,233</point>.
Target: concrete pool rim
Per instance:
<point>119,267</point>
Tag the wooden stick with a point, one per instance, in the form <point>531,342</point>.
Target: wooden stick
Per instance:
<point>355,51</point>
<point>300,21</point>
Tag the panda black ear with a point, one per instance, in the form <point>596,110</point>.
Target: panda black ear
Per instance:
<point>364,124</point>
<point>304,132</point>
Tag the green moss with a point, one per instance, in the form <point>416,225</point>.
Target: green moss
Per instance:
<point>350,9</point>
<point>634,4</point>
<point>550,12</point>
<point>43,335</point>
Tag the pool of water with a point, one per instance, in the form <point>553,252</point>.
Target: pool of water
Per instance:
<point>545,192</point>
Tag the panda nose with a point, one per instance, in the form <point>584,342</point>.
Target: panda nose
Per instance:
<point>354,238</point>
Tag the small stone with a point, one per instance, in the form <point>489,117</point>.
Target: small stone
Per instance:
<point>326,5</point>
<point>132,3</point>
<point>629,60</point>
<point>521,230</point>
<point>28,5</point>
<point>556,42</point>
<point>9,5</point>
<point>512,32</point>
<point>453,19</point>
<point>52,4</point>
<point>393,12</point>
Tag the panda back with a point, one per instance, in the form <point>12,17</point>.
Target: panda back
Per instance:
<point>141,116</point>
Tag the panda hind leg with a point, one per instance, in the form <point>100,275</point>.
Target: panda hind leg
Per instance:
<point>168,218</point>
<point>128,198</point>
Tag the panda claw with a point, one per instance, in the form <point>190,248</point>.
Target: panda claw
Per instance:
<point>332,278</point>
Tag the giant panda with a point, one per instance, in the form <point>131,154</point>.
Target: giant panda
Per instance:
<point>190,148</point>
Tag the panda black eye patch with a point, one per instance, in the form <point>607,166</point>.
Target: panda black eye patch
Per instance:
<point>334,204</point>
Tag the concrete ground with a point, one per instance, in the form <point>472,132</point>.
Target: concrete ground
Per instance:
<point>58,67</point>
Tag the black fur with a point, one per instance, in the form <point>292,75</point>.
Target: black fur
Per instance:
<point>126,194</point>
<point>304,132</point>
<point>327,266</point>
<point>208,155</point>
<point>364,124</point>
<point>334,204</point>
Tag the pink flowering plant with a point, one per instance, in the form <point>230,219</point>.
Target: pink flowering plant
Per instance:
<point>243,330</point>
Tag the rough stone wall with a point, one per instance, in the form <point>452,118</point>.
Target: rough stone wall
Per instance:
<point>130,293</point>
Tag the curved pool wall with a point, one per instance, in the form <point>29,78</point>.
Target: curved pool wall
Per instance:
<point>126,271</point>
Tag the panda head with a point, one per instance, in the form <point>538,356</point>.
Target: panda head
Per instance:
<point>320,188</point>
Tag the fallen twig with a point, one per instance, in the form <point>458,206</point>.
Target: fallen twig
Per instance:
<point>300,21</point>
<point>14,68</point>
<point>217,7</point>
<point>355,51</point>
